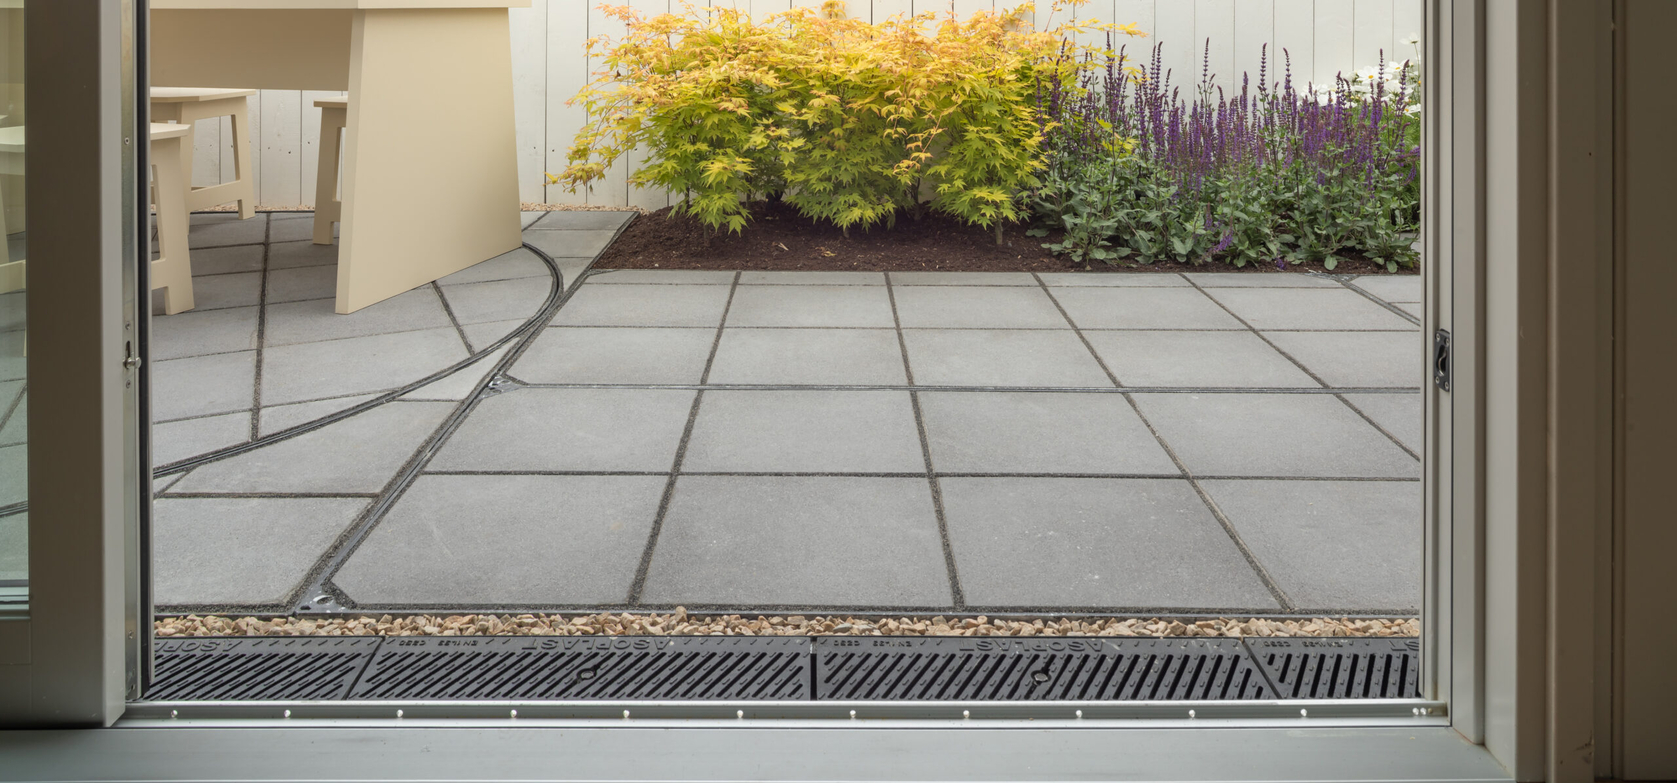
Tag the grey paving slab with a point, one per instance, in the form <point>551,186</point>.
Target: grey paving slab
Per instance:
<point>1276,435</point>
<point>14,546</point>
<point>644,305</point>
<point>299,284</point>
<point>1307,308</point>
<point>227,231</point>
<point>963,278</point>
<point>587,430</point>
<point>357,455</point>
<point>496,300</point>
<point>513,265</point>
<point>481,336</point>
<point>14,311</point>
<point>214,292</point>
<point>1358,358</point>
<point>202,385</point>
<point>1260,280</point>
<point>527,218</point>
<point>999,357</point>
<point>227,260</point>
<point>811,305</point>
<point>811,278</point>
<point>571,243</point>
<point>987,307</point>
<point>1124,307</point>
<point>305,214</point>
<point>302,227</point>
<point>273,418</point>
<point>336,368</point>
<point>556,540</point>
<point>16,429</point>
<point>14,474</point>
<point>241,551</point>
<point>196,219</point>
<point>1039,432</point>
<point>10,392</point>
<point>1108,279</point>
<point>1412,308</point>
<point>161,484</point>
<point>12,362</point>
<point>1392,288</point>
<point>1195,360</point>
<point>805,431</point>
<point>836,357</point>
<point>1398,414</point>
<point>1332,546</point>
<point>662,277</point>
<point>799,542</point>
<point>603,354</point>
<point>177,440</point>
<point>571,269</point>
<point>200,332</point>
<point>285,255</point>
<point>316,320</point>
<point>1063,543</point>
<point>584,220</point>
<point>462,383</point>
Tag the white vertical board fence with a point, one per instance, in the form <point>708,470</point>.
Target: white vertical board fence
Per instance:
<point>1322,37</point>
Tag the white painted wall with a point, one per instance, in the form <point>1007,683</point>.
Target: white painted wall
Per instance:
<point>1324,37</point>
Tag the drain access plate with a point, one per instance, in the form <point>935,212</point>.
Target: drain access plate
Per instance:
<point>1331,668</point>
<point>259,668</point>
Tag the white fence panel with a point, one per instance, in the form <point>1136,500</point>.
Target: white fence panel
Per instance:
<point>1295,40</point>
<point>529,90</point>
<point>1254,40</point>
<point>1334,44</point>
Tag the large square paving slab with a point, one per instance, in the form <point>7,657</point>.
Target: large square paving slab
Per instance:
<point>1039,432</point>
<point>1195,360</point>
<point>586,430</point>
<point>355,365</point>
<point>1307,308</point>
<point>1392,288</point>
<point>1084,543</point>
<point>203,385</point>
<point>315,319</point>
<point>1002,357</point>
<point>1349,359</point>
<point>811,305</point>
<point>805,432</point>
<point>603,354</point>
<point>1399,414</point>
<point>644,305</point>
<point>799,541</point>
<point>1115,307</point>
<point>556,540</point>
<point>241,551</point>
<point>975,307</point>
<point>816,357</point>
<point>1332,545</point>
<point>1280,435</point>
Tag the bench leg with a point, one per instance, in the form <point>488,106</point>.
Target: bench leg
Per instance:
<point>241,157</point>
<point>327,207</point>
<point>172,271</point>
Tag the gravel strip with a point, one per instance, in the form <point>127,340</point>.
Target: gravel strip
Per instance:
<point>531,206</point>
<point>679,623</point>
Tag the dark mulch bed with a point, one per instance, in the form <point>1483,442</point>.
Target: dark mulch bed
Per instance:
<point>778,238</point>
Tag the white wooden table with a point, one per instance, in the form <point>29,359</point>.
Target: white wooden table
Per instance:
<point>430,166</point>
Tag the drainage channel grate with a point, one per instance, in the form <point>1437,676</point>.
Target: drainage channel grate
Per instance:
<point>1341,668</point>
<point>258,669</point>
<point>1035,669</point>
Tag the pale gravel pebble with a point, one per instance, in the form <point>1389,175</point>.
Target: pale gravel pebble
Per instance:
<point>680,623</point>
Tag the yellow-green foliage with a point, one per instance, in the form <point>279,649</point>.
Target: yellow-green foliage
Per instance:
<point>846,120</point>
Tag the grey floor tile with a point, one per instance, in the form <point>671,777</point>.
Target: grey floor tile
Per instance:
<point>1038,432</point>
<point>286,255</point>
<point>1261,280</point>
<point>1399,414</point>
<point>1358,358</point>
<point>215,292</point>
<point>274,418</point>
<point>811,305</point>
<point>1108,279</point>
<point>644,305</point>
<point>13,364</point>
<point>1412,308</point>
<point>16,429</point>
<point>462,383</point>
<point>302,283</point>
<point>299,228</point>
<point>1058,543</point>
<point>962,307</point>
<point>161,484</point>
<point>1276,435</point>
<point>357,455</point>
<point>316,320</point>
<point>481,336</point>
<point>963,278</point>
<point>805,431</point>
<point>571,270</point>
<point>571,243</point>
<point>823,357</point>
<point>14,546</point>
<point>1123,307</point>
<point>1307,308</point>
<point>602,354</point>
<point>196,219</point>
<point>229,231</point>
<point>178,440</point>
<point>532,430</point>
<point>663,277</point>
<point>512,265</point>
<point>801,542</point>
<point>527,218</point>
<point>812,278</point>
<point>241,551</point>
<point>296,214</point>
<point>1341,546</point>
<point>496,300</point>
<point>1195,360</point>
<point>556,540</point>
<point>975,357</point>
<point>336,368</point>
<point>1392,288</point>
<point>202,385</point>
<point>227,260</point>
<point>200,332</point>
<point>14,474</point>
<point>584,220</point>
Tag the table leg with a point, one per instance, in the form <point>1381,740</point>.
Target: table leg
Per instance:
<point>430,160</point>
<point>172,271</point>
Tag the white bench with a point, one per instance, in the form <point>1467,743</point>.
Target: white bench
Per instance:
<point>187,105</point>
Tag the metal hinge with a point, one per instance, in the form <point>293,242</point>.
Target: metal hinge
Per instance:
<point>1441,360</point>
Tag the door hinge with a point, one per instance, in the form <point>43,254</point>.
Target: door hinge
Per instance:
<point>1441,360</point>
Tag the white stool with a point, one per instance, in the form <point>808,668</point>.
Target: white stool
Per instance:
<point>187,105</point>
<point>328,208</point>
<point>172,270</point>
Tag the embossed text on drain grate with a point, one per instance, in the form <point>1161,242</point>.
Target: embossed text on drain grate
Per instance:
<point>259,669</point>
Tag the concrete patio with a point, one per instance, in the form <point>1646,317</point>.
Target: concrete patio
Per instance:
<point>777,441</point>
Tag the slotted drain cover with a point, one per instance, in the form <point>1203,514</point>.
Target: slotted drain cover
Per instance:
<point>1341,668</point>
<point>584,667</point>
<point>265,669</point>
<point>1034,669</point>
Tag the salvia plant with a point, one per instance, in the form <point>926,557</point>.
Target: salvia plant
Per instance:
<point>1138,172</point>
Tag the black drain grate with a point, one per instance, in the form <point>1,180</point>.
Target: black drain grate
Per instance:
<point>1318,668</point>
<point>259,669</point>
<point>1035,669</point>
<point>589,667</point>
